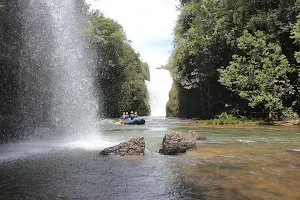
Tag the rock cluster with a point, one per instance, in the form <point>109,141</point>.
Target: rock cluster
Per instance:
<point>178,142</point>
<point>173,143</point>
<point>134,147</point>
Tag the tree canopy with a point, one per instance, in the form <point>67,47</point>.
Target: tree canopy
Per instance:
<point>208,47</point>
<point>120,72</point>
<point>259,72</point>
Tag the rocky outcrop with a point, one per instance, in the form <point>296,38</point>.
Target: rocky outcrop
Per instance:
<point>178,142</point>
<point>134,147</point>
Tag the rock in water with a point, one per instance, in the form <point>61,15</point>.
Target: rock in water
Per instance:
<point>176,143</point>
<point>134,147</point>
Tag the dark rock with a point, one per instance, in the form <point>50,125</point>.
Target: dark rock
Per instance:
<point>134,147</point>
<point>176,143</point>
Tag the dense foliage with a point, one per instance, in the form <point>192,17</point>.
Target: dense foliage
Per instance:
<point>296,36</point>
<point>120,73</point>
<point>259,73</point>
<point>237,56</point>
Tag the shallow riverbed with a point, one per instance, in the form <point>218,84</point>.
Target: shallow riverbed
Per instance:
<point>233,163</point>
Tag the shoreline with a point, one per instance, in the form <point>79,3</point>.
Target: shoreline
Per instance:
<point>290,123</point>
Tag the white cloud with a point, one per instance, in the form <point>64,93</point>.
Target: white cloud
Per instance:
<point>148,24</point>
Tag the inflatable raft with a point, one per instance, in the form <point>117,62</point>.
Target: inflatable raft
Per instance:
<point>137,121</point>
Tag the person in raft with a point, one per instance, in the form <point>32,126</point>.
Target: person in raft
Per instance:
<point>136,115</point>
<point>123,116</point>
<point>131,115</point>
<point>126,116</point>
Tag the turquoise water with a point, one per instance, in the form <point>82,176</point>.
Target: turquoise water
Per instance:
<point>233,163</point>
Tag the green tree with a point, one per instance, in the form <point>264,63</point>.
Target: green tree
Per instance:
<point>120,73</point>
<point>296,37</point>
<point>206,37</point>
<point>259,73</point>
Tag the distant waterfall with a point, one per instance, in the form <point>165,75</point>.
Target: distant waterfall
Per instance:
<point>158,91</point>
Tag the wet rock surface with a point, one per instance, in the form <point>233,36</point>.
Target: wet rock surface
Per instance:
<point>178,142</point>
<point>134,147</point>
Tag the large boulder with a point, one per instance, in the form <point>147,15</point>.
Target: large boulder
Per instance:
<point>178,142</point>
<point>134,147</point>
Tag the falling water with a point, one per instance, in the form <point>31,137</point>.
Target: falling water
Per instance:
<point>57,104</point>
<point>57,70</point>
<point>158,91</point>
<point>73,100</point>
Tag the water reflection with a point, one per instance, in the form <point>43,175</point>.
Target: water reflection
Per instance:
<point>83,175</point>
<point>69,167</point>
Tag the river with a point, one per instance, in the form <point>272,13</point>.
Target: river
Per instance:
<point>233,163</point>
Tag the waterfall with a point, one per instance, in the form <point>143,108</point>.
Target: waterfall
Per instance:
<point>73,100</point>
<point>56,81</point>
<point>158,88</point>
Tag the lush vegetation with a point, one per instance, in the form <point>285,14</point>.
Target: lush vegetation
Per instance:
<point>26,67</point>
<point>236,55</point>
<point>173,106</point>
<point>225,119</point>
<point>120,73</point>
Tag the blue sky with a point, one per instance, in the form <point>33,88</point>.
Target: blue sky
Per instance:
<point>148,24</point>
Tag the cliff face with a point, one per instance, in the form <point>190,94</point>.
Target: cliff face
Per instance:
<point>197,103</point>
